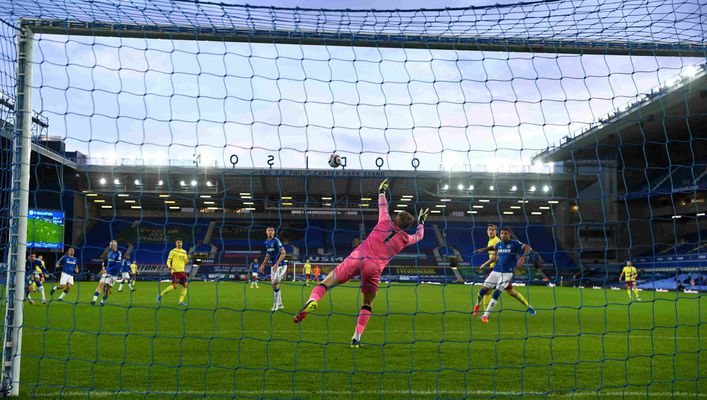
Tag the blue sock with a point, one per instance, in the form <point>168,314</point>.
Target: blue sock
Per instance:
<point>496,294</point>
<point>481,295</point>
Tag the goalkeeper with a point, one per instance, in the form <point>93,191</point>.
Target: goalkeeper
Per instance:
<point>368,260</point>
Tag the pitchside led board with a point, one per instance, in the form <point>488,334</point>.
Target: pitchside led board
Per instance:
<point>45,229</point>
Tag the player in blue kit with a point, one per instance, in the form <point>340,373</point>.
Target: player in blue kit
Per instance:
<point>254,274</point>
<point>110,273</point>
<point>125,269</point>
<point>510,253</point>
<point>38,273</point>
<point>69,269</point>
<point>30,286</point>
<point>275,253</point>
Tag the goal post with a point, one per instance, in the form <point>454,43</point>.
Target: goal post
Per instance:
<point>19,204</point>
<point>301,35</point>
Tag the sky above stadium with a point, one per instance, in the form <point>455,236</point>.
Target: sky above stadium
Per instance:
<point>156,100</point>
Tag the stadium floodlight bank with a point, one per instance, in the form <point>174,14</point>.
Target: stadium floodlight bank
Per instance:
<point>285,87</point>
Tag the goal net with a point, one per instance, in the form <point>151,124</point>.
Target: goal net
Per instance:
<point>578,126</point>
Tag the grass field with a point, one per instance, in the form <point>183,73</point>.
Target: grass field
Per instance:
<point>421,343</point>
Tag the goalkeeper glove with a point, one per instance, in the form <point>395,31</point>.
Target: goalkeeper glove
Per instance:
<point>422,216</point>
<point>383,187</point>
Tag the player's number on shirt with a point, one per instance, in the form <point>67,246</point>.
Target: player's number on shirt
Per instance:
<point>387,239</point>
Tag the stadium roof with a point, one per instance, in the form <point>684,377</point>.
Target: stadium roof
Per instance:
<point>238,190</point>
<point>677,109</point>
<point>6,132</point>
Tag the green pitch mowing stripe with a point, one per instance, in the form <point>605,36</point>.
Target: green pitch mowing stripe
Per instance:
<point>420,343</point>
<point>299,393</point>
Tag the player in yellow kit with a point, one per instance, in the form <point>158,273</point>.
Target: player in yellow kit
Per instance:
<point>307,271</point>
<point>630,274</point>
<point>176,261</point>
<point>493,239</point>
<point>133,272</point>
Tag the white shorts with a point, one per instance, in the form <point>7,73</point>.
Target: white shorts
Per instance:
<point>498,280</point>
<point>125,275</point>
<point>109,280</point>
<point>254,274</point>
<point>278,274</point>
<point>66,279</point>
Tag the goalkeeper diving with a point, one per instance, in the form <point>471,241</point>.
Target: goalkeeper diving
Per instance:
<point>369,259</point>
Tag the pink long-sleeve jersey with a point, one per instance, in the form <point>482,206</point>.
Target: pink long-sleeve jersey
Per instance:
<point>387,239</point>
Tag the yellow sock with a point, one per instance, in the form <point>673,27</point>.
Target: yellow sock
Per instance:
<point>629,294</point>
<point>635,291</point>
<point>167,290</point>
<point>182,295</point>
<point>485,301</point>
<point>522,299</point>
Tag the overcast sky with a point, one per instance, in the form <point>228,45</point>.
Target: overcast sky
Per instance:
<point>160,100</point>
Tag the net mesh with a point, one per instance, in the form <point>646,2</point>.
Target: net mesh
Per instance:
<point>575,124</point>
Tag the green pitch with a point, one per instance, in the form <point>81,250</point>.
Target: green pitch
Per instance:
<point>420,343</point>
<point>39,230</point>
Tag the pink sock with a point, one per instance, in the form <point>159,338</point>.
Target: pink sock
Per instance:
<point>363,318</point>
<point>317,292</point>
